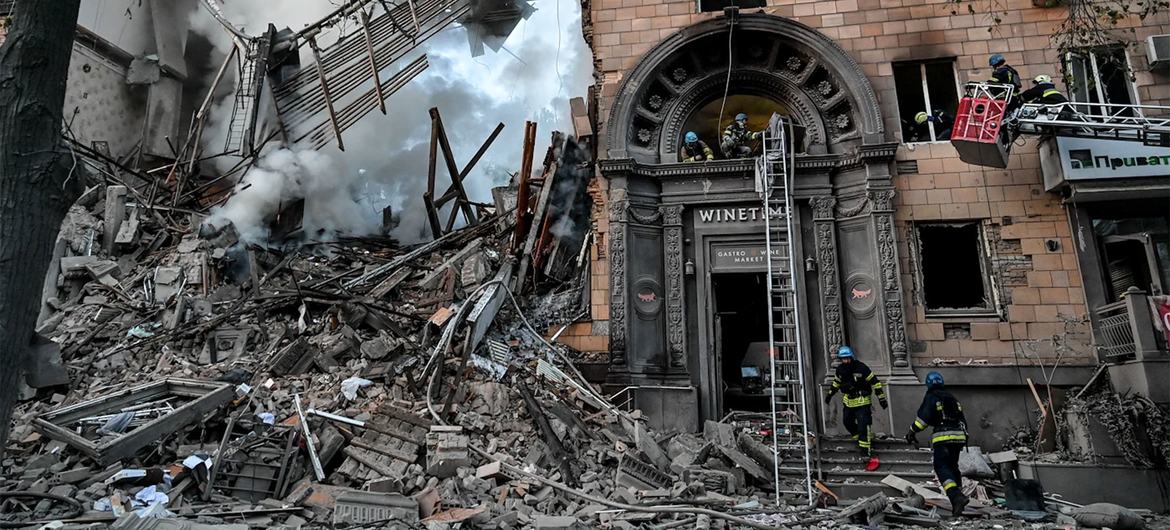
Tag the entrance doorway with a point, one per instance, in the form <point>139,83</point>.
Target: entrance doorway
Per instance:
<point>741,339</point>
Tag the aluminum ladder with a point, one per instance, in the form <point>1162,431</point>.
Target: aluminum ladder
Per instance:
<point>774,173</point>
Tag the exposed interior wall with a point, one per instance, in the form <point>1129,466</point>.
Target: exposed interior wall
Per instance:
<point>1038,290</point>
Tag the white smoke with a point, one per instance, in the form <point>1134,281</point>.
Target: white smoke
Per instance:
<point>544,63</point>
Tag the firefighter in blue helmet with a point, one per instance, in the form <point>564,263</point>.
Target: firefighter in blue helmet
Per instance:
<point>736,137</point>
<point>1002,73</point>
<point>944,413</point>
<point>696,150</point>
<point>857,382</point>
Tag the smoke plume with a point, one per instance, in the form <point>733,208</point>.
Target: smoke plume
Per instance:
<point>542,64</point>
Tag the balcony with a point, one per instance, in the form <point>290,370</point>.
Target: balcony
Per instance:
<point>1126,331</point>
<point>1132,346</point>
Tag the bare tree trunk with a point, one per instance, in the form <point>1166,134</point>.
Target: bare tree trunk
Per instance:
<point>38,181</point>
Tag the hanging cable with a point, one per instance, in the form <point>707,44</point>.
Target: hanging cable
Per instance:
<point>727,84</point>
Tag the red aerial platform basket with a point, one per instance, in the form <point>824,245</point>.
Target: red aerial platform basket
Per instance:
<point>977,134</point>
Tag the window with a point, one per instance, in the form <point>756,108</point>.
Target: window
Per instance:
<point>1099,76</point>
<point>718,5</point>
<point>951,268</point>
<point>926,86</point>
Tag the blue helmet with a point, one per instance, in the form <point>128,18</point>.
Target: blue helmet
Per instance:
<point>741,117</point>
<point>692,137</point>
<point>934,380</point>
<point>995,59</point>
<point>844,352</point>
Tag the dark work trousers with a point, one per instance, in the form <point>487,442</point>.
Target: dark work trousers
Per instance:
<point>858,421</point>
<point>946,465</point>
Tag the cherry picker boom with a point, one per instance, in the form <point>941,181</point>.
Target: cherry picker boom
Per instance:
<point>984,129</point>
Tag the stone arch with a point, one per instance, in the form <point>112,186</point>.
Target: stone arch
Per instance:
<point>773,57</point>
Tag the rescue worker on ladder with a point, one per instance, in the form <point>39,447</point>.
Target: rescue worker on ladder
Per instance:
<point>696,150</point>
<point>1043,91</point>
<point>942,121</point>
<point>943,412</point>
<point>856,382</point>
<point>736,137</point>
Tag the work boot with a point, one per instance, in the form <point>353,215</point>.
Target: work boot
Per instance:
<point>958,501</point>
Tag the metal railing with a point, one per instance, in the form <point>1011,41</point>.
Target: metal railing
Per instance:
<point>1115,331</point>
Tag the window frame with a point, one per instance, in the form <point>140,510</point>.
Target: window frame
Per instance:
<point>1089,57</point>
<point>921,64</point>
<point>982,249</point>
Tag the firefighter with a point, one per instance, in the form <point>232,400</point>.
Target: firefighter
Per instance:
<point>1003,73</point>
<point>1043,91</point>
<point>696,150</point>
<point>942,123</point>
<point>856,382</point>
<point>943,412</point>
<point>736,137</point>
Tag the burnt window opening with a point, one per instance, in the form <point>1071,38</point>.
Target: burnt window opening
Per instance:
<point>951,265</point>
<point>1100,75</point>
<point>925,86</point>
<point>705,121</point>
<point>718,5</point>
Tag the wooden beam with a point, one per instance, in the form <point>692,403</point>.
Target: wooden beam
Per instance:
<point>373,61</point>
<point>325,91</point>
<point>522,191</point>
<point>452,169</point>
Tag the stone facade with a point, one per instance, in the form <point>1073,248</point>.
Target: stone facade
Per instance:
<point>1037,286</point>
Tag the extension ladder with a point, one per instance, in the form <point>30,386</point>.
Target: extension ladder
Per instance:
<point>774,173</point>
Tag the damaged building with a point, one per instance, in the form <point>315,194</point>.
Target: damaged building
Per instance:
<point>615,337</point>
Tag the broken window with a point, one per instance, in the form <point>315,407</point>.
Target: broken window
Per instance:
<point>951,268</point>
<point>718,5</point>
<point>1099,76</point>
<point>925,86</point>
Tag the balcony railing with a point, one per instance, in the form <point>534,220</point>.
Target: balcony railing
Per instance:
<point>1125,329</point>
<point>1115,339</point>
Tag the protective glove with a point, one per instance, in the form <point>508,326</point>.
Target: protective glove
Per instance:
<point>885,404</point>
<point>700,158</point>
<point>912,438</point>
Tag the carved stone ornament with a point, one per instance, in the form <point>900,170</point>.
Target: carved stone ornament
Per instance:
<point>840,121</point>
<point>655,102</point>
<point>617,282</point>
<point>644,135</point>
<point>646,219</point>
<point>827,259</point>
<point>822,207</point>
<point>794,64</point>
<point>859,206</point>
<point>679,75</point>
<point>883,200</point>
<point>825,88</point>
<point>887,252</point>
<point>896,329</point>
<point>675,313</point>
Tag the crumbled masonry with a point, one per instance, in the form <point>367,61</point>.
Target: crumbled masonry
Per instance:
<point>206,383</point>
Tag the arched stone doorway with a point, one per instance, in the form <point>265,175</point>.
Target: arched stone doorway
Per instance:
<point>671,222</point>
<point>774,58</point>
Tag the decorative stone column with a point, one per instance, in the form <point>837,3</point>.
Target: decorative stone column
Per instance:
<point>826,243</point>
<point>676,322</point>
<point>883,213</point>
<point>618,208</point>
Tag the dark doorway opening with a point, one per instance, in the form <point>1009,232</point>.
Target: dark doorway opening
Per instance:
<point>741,335</point>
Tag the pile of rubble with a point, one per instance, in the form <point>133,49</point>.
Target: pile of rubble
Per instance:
<point>185,379</point>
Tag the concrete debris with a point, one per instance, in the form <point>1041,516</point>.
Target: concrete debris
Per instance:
<point>215,384</point>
